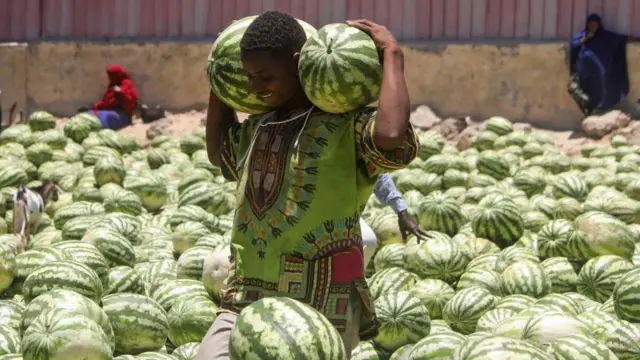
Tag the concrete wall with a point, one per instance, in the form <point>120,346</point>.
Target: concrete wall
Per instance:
<point>523,82</point>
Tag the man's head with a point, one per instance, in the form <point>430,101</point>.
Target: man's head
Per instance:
<point>269,51</point>
<point>594,23</point>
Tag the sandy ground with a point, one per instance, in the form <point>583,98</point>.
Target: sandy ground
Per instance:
<point>185,123</point>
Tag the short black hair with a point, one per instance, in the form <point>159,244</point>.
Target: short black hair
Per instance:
<point>274,31</point>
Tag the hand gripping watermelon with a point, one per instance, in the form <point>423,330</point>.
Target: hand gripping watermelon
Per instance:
<point>227,77</point>
<point>340,69</point>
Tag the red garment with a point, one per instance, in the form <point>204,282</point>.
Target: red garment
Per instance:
<point>127,99</point>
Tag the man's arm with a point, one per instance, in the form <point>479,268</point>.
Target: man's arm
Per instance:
<point>220,117</point>
<point>392,120</point>
<point>388,194</point>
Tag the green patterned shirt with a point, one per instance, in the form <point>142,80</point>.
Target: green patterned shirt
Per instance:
<point>302,186</point>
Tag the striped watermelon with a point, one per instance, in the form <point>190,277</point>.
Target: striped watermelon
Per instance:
<point>498,347</point>
<point>439,212</point>
<point>114,246</point>
<point>41,120</point>
<point>168,292</point>
<point>59,334</point>
<point>10,342</point>
<point>109,170</point>
<point>139,323</point>
<point>11,313</point>
<point>596,319</point>
<point>599,276</point>
<point>87,254</point>
<point>561,273</point>
<point>491,318</point>
<point>625,296</point>
<point>543,329</point>
<point>403,320</point>
<point>339,69</point>
<point>553,238</point>
<point>437,346</point>
<point>391,280</point>
<point>187,351</point>
<point>512,327</point>
<point>439,258</point>
<point>562,302</point>
<point>466,307</point>
<point>526,278</point>
<point>63,274</point>
<point>226,75</point>
<point>623,339</point>
<point>70,301</point>
<point>579,347</point>
<point>391,255</point>
<point>367,350</point>
<point>288,329</point>
<point>484,278</point>
<point>604,235</point>
<point>191,262</point>
<point>190,318</point>
<point>570,185</point>
<point>516,302</point>
<point>155,355</point>
<point>123,279</point>
<point>434,294</point>
<point>499,221</point>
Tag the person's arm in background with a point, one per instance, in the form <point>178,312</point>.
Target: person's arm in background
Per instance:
<point>389,195</point>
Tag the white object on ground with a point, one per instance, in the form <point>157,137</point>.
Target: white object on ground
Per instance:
<point>215,270</point>
<point>369,241</point>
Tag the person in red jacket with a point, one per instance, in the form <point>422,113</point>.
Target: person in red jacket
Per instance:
<point>119,102</point>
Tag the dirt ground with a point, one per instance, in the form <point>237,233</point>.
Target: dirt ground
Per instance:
<point>178,124</point>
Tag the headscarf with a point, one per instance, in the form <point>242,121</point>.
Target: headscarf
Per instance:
<point>127,100</point>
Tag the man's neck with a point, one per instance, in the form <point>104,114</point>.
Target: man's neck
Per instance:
<point>299,101</point>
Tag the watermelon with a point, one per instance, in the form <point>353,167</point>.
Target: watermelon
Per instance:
<point>403,320</point>
<point>339,69</point>
<point>226,75</point>
<point>288,330</point>
<point>139,323</point>
<point>59,334</point>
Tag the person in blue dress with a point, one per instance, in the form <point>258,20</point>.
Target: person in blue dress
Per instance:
<point>599,78</point>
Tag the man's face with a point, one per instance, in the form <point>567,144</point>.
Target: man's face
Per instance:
<point>592,26</point>
<point>273,78</point>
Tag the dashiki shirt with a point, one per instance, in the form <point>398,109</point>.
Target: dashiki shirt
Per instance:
<point>302,186</point>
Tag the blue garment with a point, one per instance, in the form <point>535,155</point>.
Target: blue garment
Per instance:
<point>112,119</point>
<point>601,64</point>
<point>388,194</point>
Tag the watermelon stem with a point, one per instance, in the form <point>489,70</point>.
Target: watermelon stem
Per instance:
<point>329,49</point>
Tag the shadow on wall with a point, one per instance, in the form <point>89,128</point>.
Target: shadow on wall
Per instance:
<point>525,82</point>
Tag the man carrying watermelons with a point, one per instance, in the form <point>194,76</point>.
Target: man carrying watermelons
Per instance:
<point>304,177</point>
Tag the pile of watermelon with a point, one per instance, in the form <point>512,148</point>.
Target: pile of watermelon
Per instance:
<point>531,254</point>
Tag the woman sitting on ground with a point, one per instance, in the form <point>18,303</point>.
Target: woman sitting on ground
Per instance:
<point>119,102</point>
<point>599,79</point>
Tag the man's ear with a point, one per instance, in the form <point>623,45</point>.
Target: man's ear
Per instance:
<point>296,59</point>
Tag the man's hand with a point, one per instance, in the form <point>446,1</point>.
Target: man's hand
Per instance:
<point>116,88</point>
<point>586,37</point>
<point>408,225</point>
<point>380,35</point>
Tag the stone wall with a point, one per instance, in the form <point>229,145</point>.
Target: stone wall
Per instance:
<point>525,82</point>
